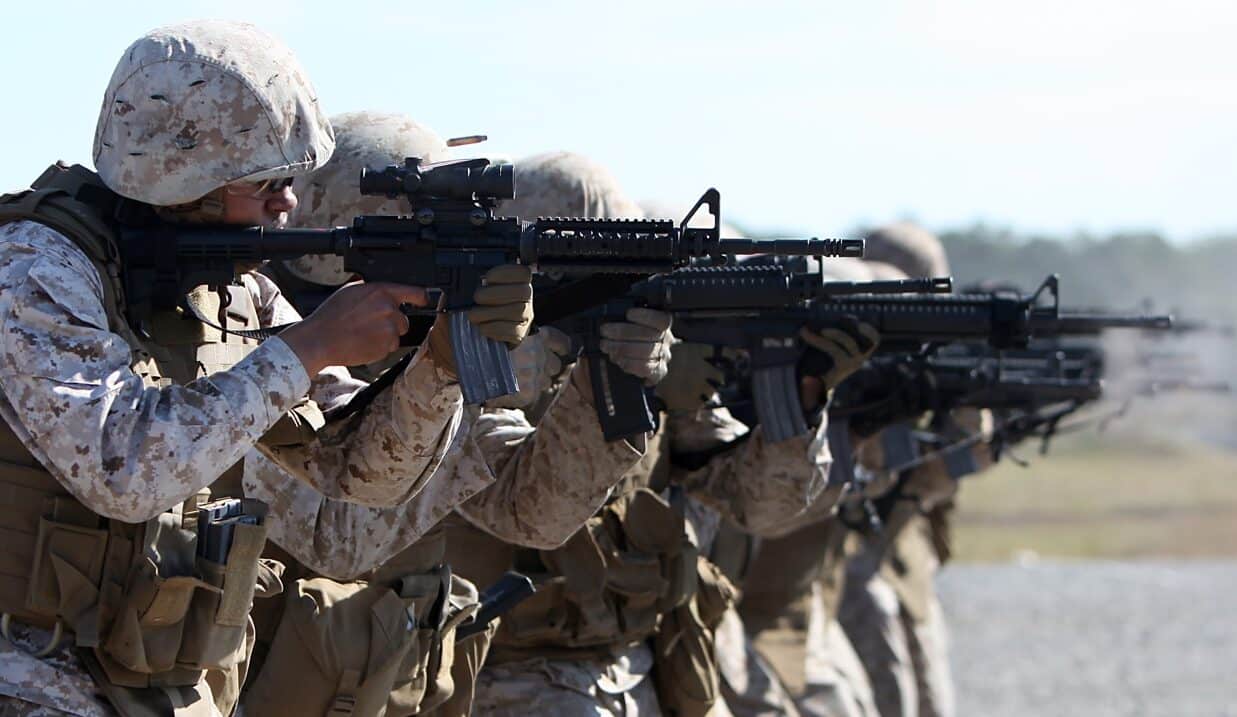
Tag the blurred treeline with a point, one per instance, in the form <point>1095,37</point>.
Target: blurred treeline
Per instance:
<point>1119,271</point>
<point>1134,271</point>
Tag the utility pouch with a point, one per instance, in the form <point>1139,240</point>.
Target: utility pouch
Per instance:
<point>652,525</point>
<point>360,648</point>
<point>218,615</point>
<point>145,633</point>
<point>685,669</point>
<point>65,576</point>
<point>715,593</point>
<point>183,612</point>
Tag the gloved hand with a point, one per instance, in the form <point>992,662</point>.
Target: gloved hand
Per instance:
<point>639,345</point>
<point>538,364</point>
<point>691,378</point>
<point>846,346</point>
<point>504,304</point>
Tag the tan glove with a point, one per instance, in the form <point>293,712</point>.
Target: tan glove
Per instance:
<point>846,348</point>
<point>690,379</point>
<point>639,345</point>
<point>504,304</point>
<point>538,362</point>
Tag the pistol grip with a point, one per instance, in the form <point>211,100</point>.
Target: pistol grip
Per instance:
<point>775,389</point>
<point>483,364</point>
<point>620,398</point>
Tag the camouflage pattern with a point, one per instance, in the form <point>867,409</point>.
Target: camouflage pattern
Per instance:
<point>760,486</point>
<point>57,684</point>
<point>565,184</point>
<point>62,373</point>
<point>331,196</point>
<point>835,683</point>
<point>750,687</point>
<point>501,481</point>
<point>614,687</point>
<point>871,616</point>
<point>195,106</point>
<point>539,366</point>
<point>908,247</point>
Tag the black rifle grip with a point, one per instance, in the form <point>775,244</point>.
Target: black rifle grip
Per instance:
<point>483,364</point>
<point>620,398</point>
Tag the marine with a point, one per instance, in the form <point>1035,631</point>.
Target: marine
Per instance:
<point>115,435</point>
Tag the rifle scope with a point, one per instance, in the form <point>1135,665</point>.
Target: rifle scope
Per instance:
<point>458,179</point>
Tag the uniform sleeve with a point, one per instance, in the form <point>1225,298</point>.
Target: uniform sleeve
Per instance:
<point>549,480</point>
<point>385,454</point>
<point>757,484</point>
<point>127,451</point>
<point>344,540</point>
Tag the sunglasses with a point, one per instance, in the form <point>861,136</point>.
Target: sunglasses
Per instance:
<point>259,190</point>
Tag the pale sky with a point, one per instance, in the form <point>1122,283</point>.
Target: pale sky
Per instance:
<point>1055,115</point>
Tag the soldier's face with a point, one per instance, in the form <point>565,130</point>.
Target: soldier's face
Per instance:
<point>266,210</point>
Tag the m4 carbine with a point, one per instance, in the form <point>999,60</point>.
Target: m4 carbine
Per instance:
<point>905,323</point>
<point>898,387</point>
<point>448,241</point>
<point>747,293</point>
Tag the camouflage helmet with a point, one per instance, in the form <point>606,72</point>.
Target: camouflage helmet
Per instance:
<point>193,107</point>
<point>884,271</point>
<point>843,268</point>
<point>909,247</point>
<point>331,196</point>
<point>565,184</point>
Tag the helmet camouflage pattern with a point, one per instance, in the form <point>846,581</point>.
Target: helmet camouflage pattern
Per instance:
<point>565,184</point>
<point>331,196</point>
<point>909,247</point>
<point>195,106</point>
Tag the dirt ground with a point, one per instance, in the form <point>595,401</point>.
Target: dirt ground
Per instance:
<point>1098,498</point>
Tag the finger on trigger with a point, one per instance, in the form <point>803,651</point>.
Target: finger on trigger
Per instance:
<point>653,319</point>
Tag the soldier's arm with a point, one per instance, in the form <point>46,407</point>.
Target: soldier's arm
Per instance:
<point>757,484</point>
<point>343,540</point>
<point>549,480</point>
<point>128,451</point>
<point>385,454</point>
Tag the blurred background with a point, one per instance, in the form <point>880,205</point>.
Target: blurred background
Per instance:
<point>1094,140</point>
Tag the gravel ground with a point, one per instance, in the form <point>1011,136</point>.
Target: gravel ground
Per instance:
<point>1093,638</point>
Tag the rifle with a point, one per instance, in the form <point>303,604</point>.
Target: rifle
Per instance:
<point>891,388</point>
<point>755,292</point>
<point>906,324</point>
<point>448,241</point>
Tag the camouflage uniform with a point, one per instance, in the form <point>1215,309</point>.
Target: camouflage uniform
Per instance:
<point>890,610</point>
<point>501,478</point>
<point>533,669</point>
<point>789,606</point>
<point>129,451</point>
